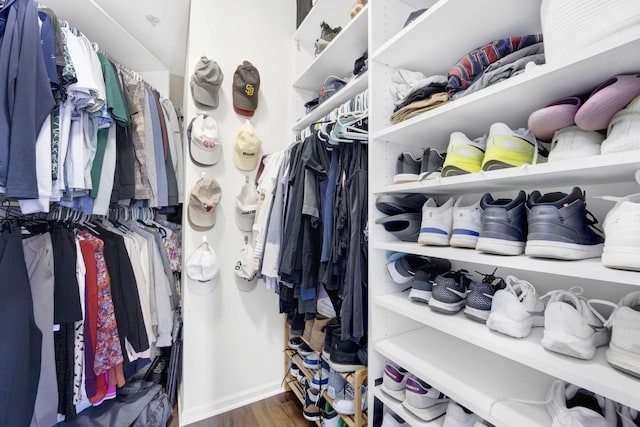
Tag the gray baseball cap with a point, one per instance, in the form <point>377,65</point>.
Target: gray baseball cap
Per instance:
<point>205,83</point>
<point>246,84</point>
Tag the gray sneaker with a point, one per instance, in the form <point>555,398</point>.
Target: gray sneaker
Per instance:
<point>431,165</point>
<point>407,168</point>
<point>504,225</point>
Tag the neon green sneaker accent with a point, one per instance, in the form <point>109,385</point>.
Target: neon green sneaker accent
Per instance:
<point>506,148</point>
<point>463,156</point>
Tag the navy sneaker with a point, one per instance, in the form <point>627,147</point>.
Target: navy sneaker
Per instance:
<point>396,204</point>
<point>450,292</point>
<point>403,269</point>
<point>344,354</point>
<point>422,286</point>
<point>480,296</point>
<point>560,227</point>
<point>504,225</point>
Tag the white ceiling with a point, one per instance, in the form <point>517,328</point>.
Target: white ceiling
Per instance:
<point>121,28</point>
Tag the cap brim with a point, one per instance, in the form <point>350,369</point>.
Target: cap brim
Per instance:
<point>204,97</point>
<point>205,157</point>
<point>202,288</point>
<point>202,219</point>
<point>246,113</point>
<point>243,163</point>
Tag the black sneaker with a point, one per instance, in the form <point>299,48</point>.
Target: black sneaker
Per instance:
<point>304,350</point>
<point>328,330</point>
<point>407,168</point>
<point>395,204</point>
<point>295,342</point>
<point>504,225</point>
<point>431,165</point>
<point>403,269</point>
<point>344,354</point>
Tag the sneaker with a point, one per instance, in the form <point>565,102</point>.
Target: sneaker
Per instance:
<point>459,416</point>
<point>629,417</point>
<point>313,404</point>
<point>570,405</point>
<point>516,309</point>
<point>467,221</point>
<point>407,168</point>
<point>508,148</point>
<point>431,164</point>
<point>345,404</point>
<point>557,115</point>
<point>424,401</point>
<point>320,380</point>
<point>572,143</point>
<point>304,349</point>
<point>463,155</point>
<point>560,227</point>
<point>623,130</point>
<point>437,222</point>
<point>344,354</point>
<point>295,342</point>
<point>480,296</point>
<point>404,269</point>
<point>624,349</point>
<point>404,227</point>
<point>329,328</point>
<point>422,286</point>
<point>330,418</point>
<point>311,361</point>
<point>396,204</point>
<point>336,383</point>
<point>389,419</point>
<point>622,230</point>
<point>294,371</point>
<point>394,381</point>
<point>572,326</point>
<point>504,225</point>
<point>449,292</point>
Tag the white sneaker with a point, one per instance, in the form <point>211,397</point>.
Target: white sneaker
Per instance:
<point>624,349</point>
<point>437,222</point>
<point>516,309</point>
<point>391,420</point>
<point>394,382</point>
<point>622,233</point>
<point>344,405</point>
<point>311,361</point>
<point>467,221</point>
<point>424,401</point>
<point>458,416</point>
<point>562,395</point>
<point>572,326</point>
<point>572,142</point>
<point>623,133</point>
<point>320,379</point>
<point>629,417</point>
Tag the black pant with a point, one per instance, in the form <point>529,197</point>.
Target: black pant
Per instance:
<point>20,338</point>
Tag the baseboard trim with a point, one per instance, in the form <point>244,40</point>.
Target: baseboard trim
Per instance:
<point>229,403</point>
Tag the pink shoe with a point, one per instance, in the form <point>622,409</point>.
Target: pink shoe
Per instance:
<point>607,98</point>
<point>553,117</point>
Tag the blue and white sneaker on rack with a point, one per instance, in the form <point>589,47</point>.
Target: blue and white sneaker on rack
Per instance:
<point>437,222</point>
<point>320,380</point>
<point>311,361</point>
<point>467,222</point>
<point>450,292</point>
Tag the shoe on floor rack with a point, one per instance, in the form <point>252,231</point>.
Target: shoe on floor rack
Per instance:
<point>320,379</point>
<point>480,297</point>
<point>437,222</point>
<point>345,404</point>
<point>450,292</point>
<point>572,326</point>
<point>624,348</point>
<point>467,222</point>
<point>344,354</point>
<point>463,155</point>
<point>424,401</point>
<point>336,384</point>
<point>504,225</point>
<point>561,227</point>
<point>313,404</point>
<point>330,418</point>
<point>516,308</point>
<point>507,148</point>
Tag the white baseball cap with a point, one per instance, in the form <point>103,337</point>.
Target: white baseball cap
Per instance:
<point>246,205</point>
<point>246,149</point>
<point>203,270</point>
<point>204,140</point>
<point>204,199</point>
<point>245,267</point>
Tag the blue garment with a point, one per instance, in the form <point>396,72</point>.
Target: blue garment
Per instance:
<point>25,98</point>
<point>48,40</point>
<point>158,146</point>
<point>328,194</point>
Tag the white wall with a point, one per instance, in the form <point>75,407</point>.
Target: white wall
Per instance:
<point>233,340</point>
<point>159,80</point>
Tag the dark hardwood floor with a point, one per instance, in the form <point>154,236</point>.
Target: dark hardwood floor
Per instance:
<point>282,410</point>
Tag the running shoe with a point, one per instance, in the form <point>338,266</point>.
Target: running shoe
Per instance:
<point>431,165</point>
<point>516,309</point>
<point>450,292</point>
<point>624,349</point>
<point>437,222</point>
<point>622,230</point>
<point>480,296</point>
<point>407,168</point>
<point>394,381</point>
<point>504,225</point>
<point>422,286</point>
<point>570,405</point>
<point>403,269</point>
<point>424,401</point>
<point>463,155</point>
<point>467,222</point>
<point>508,148</point>
<point>459,416</point>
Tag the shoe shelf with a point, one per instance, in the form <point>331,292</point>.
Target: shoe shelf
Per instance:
<point>359,419</point>
<point>435,55</point>
<point>339,55</point>
<point>588,269</point>
<point>399,410</point>
<point>600,169</point>
<point>350,90</point>
<point>472,376</point>
<point>528,351</point>
<point>512,100</point>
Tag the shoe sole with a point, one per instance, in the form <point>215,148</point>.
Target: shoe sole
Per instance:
<point>403,178</point>
<point>398,395</point>
<point>624,360</point>
<point>421,296</point>
<point>433,239</point>
<point>561,341</point>
<point>397,277</point>
<point>344,368</point>
<point>477,314</point>
<point>500,246</point>
<point>561,250</point>
<point>427,414</point>
<point>445,307</point>
<point>516,329</point>
<point>463,241</point>
<point>621,258</point>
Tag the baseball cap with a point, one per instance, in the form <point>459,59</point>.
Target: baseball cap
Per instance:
<point>204,140</point>
<point>203,269</point>
<point>246,149</point>
<point>245,266</point>
<point>203,200</point>
<point>205,83</point>
<point>246,205</point>
<point>246,84</point>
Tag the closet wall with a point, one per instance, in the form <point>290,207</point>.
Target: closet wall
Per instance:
<point>233,339</point>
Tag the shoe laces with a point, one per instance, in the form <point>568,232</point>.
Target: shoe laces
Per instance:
<point>491,277</point>
<point>574,294</point>
<point>521,289</point>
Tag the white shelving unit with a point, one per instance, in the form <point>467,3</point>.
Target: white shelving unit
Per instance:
<point>474,366</point>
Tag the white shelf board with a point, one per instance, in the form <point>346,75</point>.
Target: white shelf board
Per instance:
<point>339,56</point>
<point>601,169</point>
<point>399,410</point>
<point>595,375</point>
<point>421,46</point>
<point>589,269</point>
<point>351,89</point>
<point>471,376</point>
<point>513,100</point>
